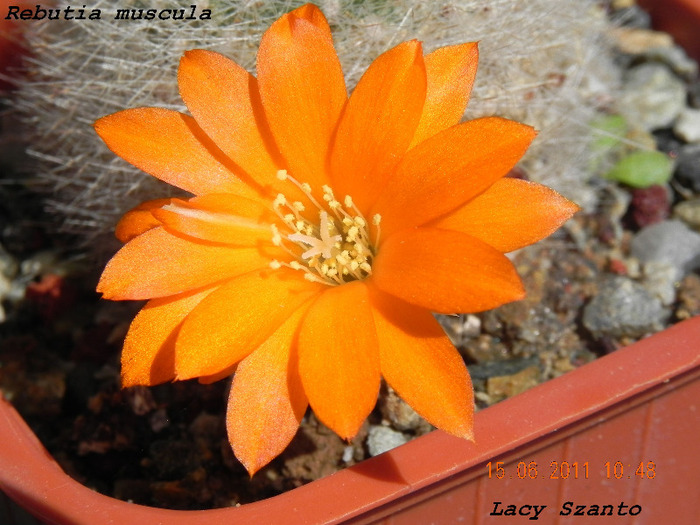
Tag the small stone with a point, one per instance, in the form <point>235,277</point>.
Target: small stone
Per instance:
<point>661,279</point>
<point>381,439</point>
<point>688,167</point>
<point>650,205</point>
<point>636,41</point>
<point>348,454</point>
<point>668,241</point>
<point>398,412</point>
<point>485,371</point>
<point>623,308</point>
<point>688,297</point>
<point>665,140</point>
<point>689,212</point>
<point>502,387</point>
<point>9,267</point>
<point>159,420</point>
<point>687,126</point>
<point>652,96</point>
<point>140,399</point>
<point>675,58</point>
<point>206,426</point>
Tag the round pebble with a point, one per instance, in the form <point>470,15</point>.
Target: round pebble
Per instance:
<point>652,97</point>
<point>381,439</point>
<point>668,241</point>
<point>623,308</point>
<point>687,126</point>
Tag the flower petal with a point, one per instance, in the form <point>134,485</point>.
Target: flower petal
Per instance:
<point>339,358</point>
<point>267,402</point>
<point>445,271</point>
<point>511,214</point>
<point>223,98</point>
<point>449,169</point>
<point>148,357</point>
<point>378,123</point>
<point>237,318</point>
<point>450,71</point>
<point>421,364</point>
<point>172,147</point>
<point>302,90</point>
<point>158,264</point>
<point>221,218</point>
<point>138,220</point>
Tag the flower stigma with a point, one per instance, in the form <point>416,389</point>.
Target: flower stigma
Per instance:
<point>336,247</point>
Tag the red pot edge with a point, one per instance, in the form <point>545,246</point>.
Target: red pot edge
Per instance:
<point>30,476</point>
<point>680,18</point>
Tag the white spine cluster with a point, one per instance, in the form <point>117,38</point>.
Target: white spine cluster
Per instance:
<point>541,62</point>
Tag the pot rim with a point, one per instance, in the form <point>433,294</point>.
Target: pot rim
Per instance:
<point>556,408</point>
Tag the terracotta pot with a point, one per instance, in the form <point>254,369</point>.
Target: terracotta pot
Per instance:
<point>620,431</point>
<point>680,18</point>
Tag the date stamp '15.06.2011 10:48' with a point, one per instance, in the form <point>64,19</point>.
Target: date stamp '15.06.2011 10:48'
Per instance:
<point>565,470</point>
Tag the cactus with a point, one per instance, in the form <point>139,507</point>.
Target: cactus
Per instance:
<point>542,62</point>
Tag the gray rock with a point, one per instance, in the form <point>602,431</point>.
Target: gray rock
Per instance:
<point>652,96</point>
<point>670,242</point>
<point>381,439</point>
<point>675,58</point>
<point>688,167</point>
<point>687,126</point>
<point>623,308</point>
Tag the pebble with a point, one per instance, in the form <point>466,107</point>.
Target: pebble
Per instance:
<point>688,167</point>
<point>459,328</point>
<point>9,267</point>
<point>381,438</point>
<point>675,58</point>
<point>11,289</point>
<point>489,369</point>
<point>661,279</point>
<point>666,141</point>
<point>650,205</point>
<point>687,127</point>
<point>668,241</point>
<point>652,96</point>
<point>623,308</point>
<point>502,387</point>
<point>637,41</point>
<point>398,412</point>
<point>689,212</point>
<point>688,297</point>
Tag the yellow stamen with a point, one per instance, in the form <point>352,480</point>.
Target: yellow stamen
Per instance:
<point>335,246</point>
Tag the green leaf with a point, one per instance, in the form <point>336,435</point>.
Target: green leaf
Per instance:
<point>642,169</point>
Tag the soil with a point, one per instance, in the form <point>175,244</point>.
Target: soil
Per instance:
<point>166,446</point>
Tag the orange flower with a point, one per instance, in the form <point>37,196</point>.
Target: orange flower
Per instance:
<point>322,232</point>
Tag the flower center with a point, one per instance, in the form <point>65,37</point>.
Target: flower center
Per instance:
<point>336,246</point>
